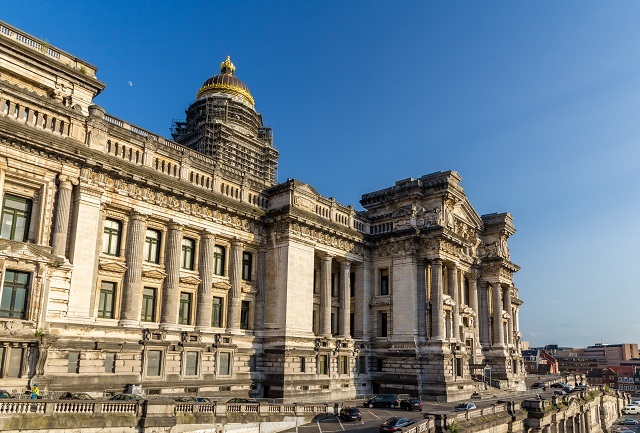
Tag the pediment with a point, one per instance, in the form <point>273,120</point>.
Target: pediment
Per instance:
<point>154,274</point>
<point>468,311</point>
<point>306,189</point>
<point>29,252</point>
<point>222,285</point>
<point>447,300</point>
<point>465,212</point>
<point>190,279</point>
<point>112,266</point>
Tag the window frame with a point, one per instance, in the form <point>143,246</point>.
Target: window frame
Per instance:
<point>247,265</point>
<point>219,259</point>
<point>323,364</point>
<point>245,314</point>
<point>147,365</point>
<point>15,215</point>
<point>100,312</point>
<point>109,234</point>
<point>185,301</point>
<point>228,364</point>
<point>220,307</point>
<point>152,245</point>
<point>187,254</point>
<point>144,305</point>
<point>384,282</point>
<point>186,370</point>
<point>16,288</point>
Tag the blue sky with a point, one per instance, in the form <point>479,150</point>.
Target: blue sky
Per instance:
<point>536,105</point>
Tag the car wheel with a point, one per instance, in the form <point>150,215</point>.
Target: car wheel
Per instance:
<point>393,406</point>
<point>370,405</point>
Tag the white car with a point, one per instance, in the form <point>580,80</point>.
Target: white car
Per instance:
<point>631,410</point>
<point>462,407</point>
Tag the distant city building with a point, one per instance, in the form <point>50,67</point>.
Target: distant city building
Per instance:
<point>184,267</point>
<point>538,361</point>
<point>597,356</point>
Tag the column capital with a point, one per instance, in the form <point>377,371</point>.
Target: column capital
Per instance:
<point>66,181</point>
<point>326,257</point>
<point>174,225</point>
<point>345,265</point>
<point>237,243</point>
<point>207,234</point>
<point>473,274</point>
<point>136,215</point>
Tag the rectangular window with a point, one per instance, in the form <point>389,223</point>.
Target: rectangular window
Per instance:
<point>111,235</point>
<point>105,303</point>
<point>352,320</point>
<point>352,284</point>
<point>218,260</point>
<point>73,362</point>
<point>188,248</point>
<point>244,314</point>
<point>152,246</point>
<point>303,365</point>
<point>384,282</point>
<point>148,313</point>
<point>216,314</point>
<point>224,367</point>
<point>334,285</point>
<point>15,362</point>
<point>191,364</point>
<point>110,363</point>
<point>314,321</point>
<point>322,364</point>
<point>154,363</point>
<point>383,325</point>
<point>247,262</point>
<point>184,317</point>
<point>343,364</point>
<point>14,295</point>
<point>380,364</point>
<point>362,364</point>
<point>16,213</point>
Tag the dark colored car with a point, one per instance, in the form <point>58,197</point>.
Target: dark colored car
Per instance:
<point>559,392</point>
<point>127,397</point>
<point>411,404</point>
<point>557,385</point>
<point>628,421</point>
<point>537,385</point>
<point>204,400</point>
<point>383,400</point>
<point>5,394</point>
<point>350,414</point>
<point>242,400</point>
<point>75,396</point>
<point>395,424</point>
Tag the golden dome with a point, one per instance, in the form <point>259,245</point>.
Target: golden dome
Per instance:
<point>226,82</point>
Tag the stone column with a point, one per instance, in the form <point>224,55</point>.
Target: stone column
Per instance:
<point>325,295</point>
<point>437,300</point>
<point>171,286</point>
<point>453,290</point>
<point>421,300</point>
<point>235,279</point>
<point>345,299</point>
<point>131,288</point>
<point>3,169</point>
<point>261,283</point>
<point>498,337</point>
<point>509,308</point>
<point>473,304</point>
<point>205,269</point>
<point>59,243</point>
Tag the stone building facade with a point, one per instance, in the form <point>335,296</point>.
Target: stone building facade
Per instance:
<point>185,267</point>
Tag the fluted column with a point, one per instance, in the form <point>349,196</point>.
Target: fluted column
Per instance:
<point>437,300</point>
<point>453,290</point>
<point>131,288</point>
<point>345,299</point>
<point>59,243</point>
<point>261,283</point>
<point>205,269</point>
<point>473,303</point>
<point>325,296</point>
<point>421,299</point>
<point>509,308</point>
<point>235,279</point>
<point>171,286</point>
<point>498,337</point>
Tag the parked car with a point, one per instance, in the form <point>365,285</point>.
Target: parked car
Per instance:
<point>395,424</point>
<point>559,392</point>
<point>185,399</point>
<point>537,385</point>
<point>350,414</point>
<point>462,407</point>
<point>75,396</point>
<point>411,404</point>
<point>558,385</point>
<point>127,397</point>
<point>631,410</point>
<point>204,400</point>
<point>5,394</point>
<point>628,421</point>
<point>383,400</point>
<point>242,400</point>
